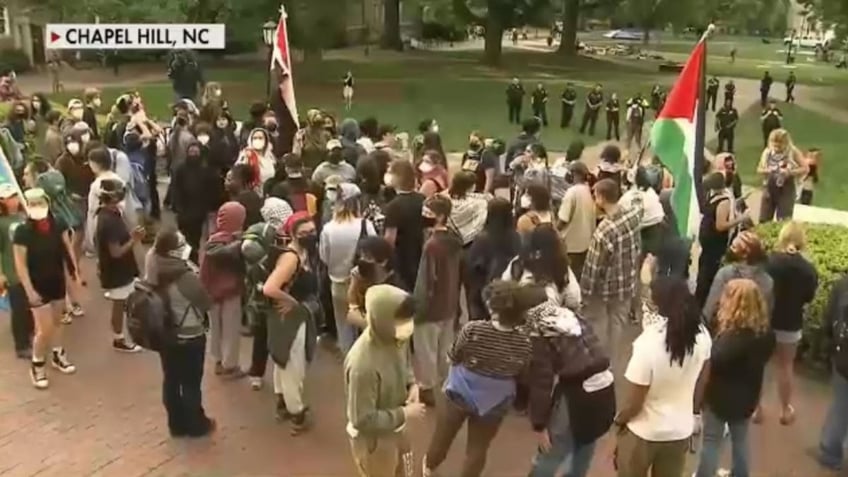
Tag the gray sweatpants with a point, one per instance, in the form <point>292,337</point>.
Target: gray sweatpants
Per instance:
<point>432,342</point>
<point>225,332</point>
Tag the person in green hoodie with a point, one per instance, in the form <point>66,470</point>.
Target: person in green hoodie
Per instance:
<point>380,389</point>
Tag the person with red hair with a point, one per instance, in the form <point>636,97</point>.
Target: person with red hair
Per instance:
<point>292,287</point>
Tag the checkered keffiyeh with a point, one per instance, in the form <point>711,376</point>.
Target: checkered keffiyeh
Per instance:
<point>612,262</point>
<point>275,211</point>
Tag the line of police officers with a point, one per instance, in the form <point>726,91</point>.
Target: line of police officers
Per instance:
<point>726,121</point>
<point>636,109</point>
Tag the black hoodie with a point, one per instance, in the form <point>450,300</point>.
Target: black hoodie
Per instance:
<point>198,189</point>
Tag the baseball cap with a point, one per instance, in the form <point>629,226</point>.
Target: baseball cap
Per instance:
<point>334,144</point>
<point>75,103</point>
<point>7,190</point>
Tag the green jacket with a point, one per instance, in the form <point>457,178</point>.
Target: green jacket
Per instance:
<point>377,371</point>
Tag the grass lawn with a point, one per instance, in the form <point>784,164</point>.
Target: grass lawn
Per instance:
<point>455,89</point>
<point>809,129</point>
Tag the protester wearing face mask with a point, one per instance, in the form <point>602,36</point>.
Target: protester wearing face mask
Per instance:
<point>92,105</point>
<point>78,178</point>
<point>292,286</point>
<point>197,193</point>
<point>167,268</point>
<point>39,106</point>
<point>109,164</point>
<point>434,174</point>
<point>374,267</point>
<point>76,109</point>
<point>381,397</point>
<point>16,122</point>
<point>223,145</point>
<point>339,240</point>
<point>116,264</point>
<point>438,291</point>
<point>334,165</point>
<point>258,155</point>
<point>45,261</point>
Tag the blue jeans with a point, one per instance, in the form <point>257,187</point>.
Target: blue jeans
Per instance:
<point>563,448</point>
<point>713,440</point>
<point>835,425</point>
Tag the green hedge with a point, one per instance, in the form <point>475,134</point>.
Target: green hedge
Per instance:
<point>14,60</point>
<point>827,249</point>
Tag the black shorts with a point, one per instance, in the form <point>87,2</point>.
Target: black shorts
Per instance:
<point>50,288</point>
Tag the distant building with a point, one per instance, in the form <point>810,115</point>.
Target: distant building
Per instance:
<point>22,29</point>
<point>364,20</point>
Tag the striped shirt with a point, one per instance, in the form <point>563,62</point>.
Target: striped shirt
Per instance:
<point>490,351</point>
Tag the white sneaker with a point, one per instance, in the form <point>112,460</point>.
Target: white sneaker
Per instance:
<point>60,361</point>
<point>723,473</point>
<point>255,383</point>
<point>38,375</point>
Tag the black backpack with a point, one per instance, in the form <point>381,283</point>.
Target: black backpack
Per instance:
<point>150,320</point>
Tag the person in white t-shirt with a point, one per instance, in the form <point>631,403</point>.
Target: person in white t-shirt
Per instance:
<point>665,373</point>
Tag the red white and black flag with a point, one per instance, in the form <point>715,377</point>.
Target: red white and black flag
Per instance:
<point>284,104</point>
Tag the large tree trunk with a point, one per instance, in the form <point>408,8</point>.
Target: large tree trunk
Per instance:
<point>494,39</point>
<point>391,25</point>
<point>570,22</point>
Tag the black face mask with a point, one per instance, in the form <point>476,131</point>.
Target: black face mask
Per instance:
<point>367,269</point>
<point>429,222</point>
<point>309,243</point>
<point>335,156</point>
<point>271,127</point>
<point>193,157</point>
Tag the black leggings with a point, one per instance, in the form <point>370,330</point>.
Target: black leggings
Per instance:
<point>259,358</point>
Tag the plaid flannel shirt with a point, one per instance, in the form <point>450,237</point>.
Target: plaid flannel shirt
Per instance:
<point>612,262</point>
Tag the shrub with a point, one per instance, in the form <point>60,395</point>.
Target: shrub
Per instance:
<point>14,60</point>
<point>827,250</point>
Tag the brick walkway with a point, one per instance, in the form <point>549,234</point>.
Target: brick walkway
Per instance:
<point>107,420</point>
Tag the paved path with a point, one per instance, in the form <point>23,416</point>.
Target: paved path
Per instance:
<point>107,420</point>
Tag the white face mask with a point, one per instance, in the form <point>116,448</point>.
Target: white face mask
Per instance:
<point>387,179</point>
<point>332,195</point>
<point>85,138</point>
<point>96,102</point>
<point>38,212</point>
<point>425,167</point>
<point>404,330</point>
<point>525,202</point>
<point>222,124</point>
<point>217,93</point>
<point>257,144</point>
<point>203,139</point>
<point>76,114</point>
<point>73,148</point>
<point>434,128</point>
<point>36,105</point>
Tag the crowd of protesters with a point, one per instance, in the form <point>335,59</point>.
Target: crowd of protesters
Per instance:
<point>517,282</point>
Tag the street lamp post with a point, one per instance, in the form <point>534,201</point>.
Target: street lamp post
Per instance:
<point>268,30</point>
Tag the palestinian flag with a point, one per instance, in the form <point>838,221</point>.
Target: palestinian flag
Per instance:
<point>677,138</point>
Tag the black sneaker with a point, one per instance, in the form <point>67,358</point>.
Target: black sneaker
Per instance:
<point>123,346</point>
<point>60,361</point>
<point>300,422</point>
<point>38,375</point>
